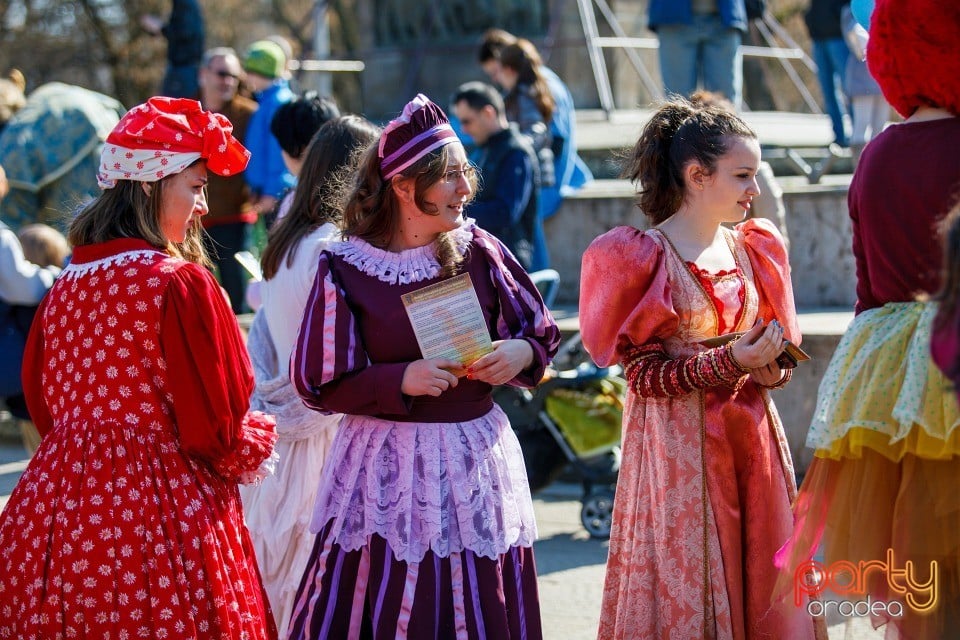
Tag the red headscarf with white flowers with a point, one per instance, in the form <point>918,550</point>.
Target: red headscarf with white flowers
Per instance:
<point>164,136</point>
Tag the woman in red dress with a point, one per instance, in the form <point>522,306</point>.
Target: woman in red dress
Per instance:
<point>128,521</point>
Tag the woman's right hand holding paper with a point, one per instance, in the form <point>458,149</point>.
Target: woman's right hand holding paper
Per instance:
<point>429,377</point>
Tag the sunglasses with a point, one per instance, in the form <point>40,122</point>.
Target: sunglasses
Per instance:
<point>222,73</point>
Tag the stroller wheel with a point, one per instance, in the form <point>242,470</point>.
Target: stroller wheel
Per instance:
<point>596,514</point>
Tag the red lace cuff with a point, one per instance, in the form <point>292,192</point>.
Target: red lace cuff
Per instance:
<point>250,460</point>
<point>652,373</point>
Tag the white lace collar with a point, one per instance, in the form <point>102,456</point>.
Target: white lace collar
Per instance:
<point>399,267</point>
<point>77,269</point>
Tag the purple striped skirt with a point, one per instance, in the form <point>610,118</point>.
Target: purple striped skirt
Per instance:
<point>368,593</point>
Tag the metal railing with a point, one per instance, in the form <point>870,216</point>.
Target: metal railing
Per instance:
<point>770,30</point>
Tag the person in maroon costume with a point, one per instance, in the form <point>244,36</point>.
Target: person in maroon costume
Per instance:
<point>883,482</point>
<point>128,522</point>
<point>424,514</point>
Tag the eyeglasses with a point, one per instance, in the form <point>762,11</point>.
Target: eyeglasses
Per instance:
<point>454,175</point>
<point>222,73</point>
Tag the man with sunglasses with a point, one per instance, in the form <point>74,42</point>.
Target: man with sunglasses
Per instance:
<point>509,182</point>
<point>231,214</point>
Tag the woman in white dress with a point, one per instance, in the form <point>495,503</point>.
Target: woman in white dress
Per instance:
<point>278,511</point>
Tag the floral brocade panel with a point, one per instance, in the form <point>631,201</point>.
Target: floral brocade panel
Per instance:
<point>698,316</point>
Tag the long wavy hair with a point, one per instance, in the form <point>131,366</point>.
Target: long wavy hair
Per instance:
<point>678,133</point>
<point>333,151</point>
<point>371,210</point>
<point>523,58</point>
<point>127,211</point>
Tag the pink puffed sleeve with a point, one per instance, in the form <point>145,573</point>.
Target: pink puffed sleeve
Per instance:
<point>771,271</point>
<point>211,378</point>
<point>624,295</point>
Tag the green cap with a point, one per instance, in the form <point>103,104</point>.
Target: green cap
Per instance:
<point>265,58</point>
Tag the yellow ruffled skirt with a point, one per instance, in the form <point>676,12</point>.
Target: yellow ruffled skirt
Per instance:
<point>886,472</point>
<point>881,391</point>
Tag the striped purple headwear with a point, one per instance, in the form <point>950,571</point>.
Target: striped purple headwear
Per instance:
<point>421,128</point>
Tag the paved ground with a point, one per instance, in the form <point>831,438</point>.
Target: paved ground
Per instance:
<point>571,566</point>
<point>569,562</point>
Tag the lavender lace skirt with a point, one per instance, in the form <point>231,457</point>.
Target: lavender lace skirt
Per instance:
<point>445,487</point>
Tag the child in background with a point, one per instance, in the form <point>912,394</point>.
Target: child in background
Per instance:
<point>23,283</point>
<point>44,246</point>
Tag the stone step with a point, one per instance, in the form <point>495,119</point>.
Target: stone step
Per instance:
<point>818,227</point>
<point>793,143</point>
<point>596,130</point>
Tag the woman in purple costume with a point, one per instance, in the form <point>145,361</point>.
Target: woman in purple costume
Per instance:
<point>424,517</point>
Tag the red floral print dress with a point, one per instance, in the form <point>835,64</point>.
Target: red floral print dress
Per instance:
<point>127,522</point>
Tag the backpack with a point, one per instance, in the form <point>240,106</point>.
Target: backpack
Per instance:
<point>15,323</point>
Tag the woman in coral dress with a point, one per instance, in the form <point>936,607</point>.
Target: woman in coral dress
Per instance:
<point>703,496</point>
<point>127,523</point>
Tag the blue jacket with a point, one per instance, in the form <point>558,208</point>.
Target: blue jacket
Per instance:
<point>266,173</point>
<point>733,13</point>
<point>570,171</point>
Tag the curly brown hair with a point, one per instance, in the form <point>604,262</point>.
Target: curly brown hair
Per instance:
<point>679,132</point>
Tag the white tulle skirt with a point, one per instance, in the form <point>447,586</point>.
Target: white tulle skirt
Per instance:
<point>277,513</point>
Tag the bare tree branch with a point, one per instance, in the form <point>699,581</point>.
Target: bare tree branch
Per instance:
<point>104,33</point>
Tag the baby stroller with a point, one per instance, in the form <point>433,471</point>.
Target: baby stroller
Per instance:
<point>572,419</point>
